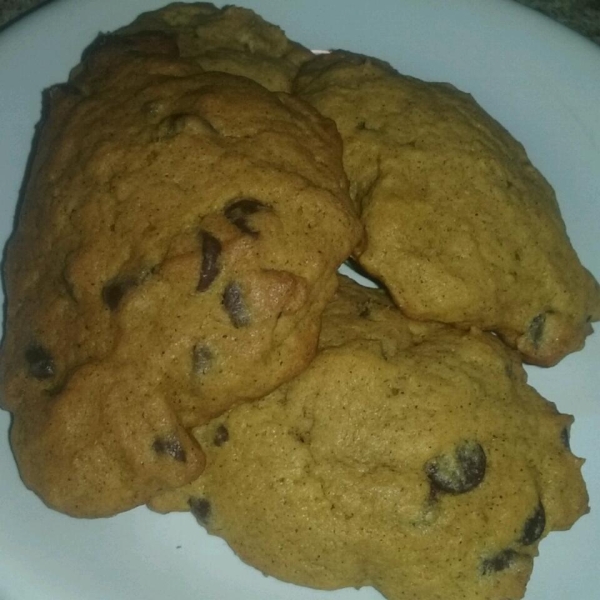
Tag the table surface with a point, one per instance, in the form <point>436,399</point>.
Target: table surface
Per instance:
<point>581,15</point>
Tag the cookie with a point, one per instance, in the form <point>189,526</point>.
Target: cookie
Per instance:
<point>411,458</point>
<point>177,243</point>
<point>460,226</point>
<point>230,39</point>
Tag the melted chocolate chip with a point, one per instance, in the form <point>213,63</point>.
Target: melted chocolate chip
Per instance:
<point>201,359</point>
<point>534,526</point>
<point>502,561</point>
<point>211,252</point>
<point>536,329</point>
<point>238,211</point>
<point>113,291</point>
<point>234,304</point>
<point>565,438</point>
<point>41,363</point>
<point>170,446</point>
<point>459,472</point>
<point>221,435</point>
<point>200,508</point>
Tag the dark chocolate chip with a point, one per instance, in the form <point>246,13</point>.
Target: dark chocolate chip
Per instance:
<point>238,211</point>
<point>113,291</point>
<point>234,304</point>
<point>534,526</point>
<point>565,438</point>
<point>502,561</point>
<point>200,508</point>
<point>536,329</point>
<point>459,472</point>
<point>201,359</point>
<point>221,435</point>
<point>41,363</point>
<point>211,252</point>
<point>170,446</point>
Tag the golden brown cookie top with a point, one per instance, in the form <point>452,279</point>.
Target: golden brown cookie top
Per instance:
<point>460,225</point>
<point>419,466</point>
<point>231,39</point>
<point>181,230</point>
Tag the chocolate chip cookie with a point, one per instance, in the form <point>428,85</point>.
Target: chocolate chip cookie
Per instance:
<point>460,226</point>
<point>408,457</point>
<point>231,39</point>
<point>177,243</point>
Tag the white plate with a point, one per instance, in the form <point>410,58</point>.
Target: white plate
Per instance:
<point>539,79</point>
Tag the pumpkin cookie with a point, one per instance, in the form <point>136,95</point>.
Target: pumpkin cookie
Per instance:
<point>177,243</point>
<point>231,39</point>
<point>408,457</point>
<point>460,226</point>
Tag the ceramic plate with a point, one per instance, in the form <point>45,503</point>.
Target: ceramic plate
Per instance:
<point>538,79</point>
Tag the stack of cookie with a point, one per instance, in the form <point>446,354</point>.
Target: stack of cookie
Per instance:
<point>177,334</point>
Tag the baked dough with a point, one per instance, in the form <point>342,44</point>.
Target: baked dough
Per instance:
<point>460,226</point>
<point>410,457</point>
<point>177,243</point>
<point>230,39</point>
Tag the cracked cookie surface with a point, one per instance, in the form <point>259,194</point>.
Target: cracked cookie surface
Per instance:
<point>231,39</point>
<point>460,226</point>
<point>176,246</point>
<point>411,457</point>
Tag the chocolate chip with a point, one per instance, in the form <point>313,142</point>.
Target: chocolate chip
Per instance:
<point>459,472</point>
<point>503,560</point>
<point>221,435</point>
<point>170,446</point>
<point>201,359</point>
<point>238,211</point>
<point>565,438</point>
<point>234,304</point>
<point>41,363</point>
<point>536,329</point>
<point>113,291</point>
<point>534,526</point>
<point>211,252</point>
<point>200,508</point>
